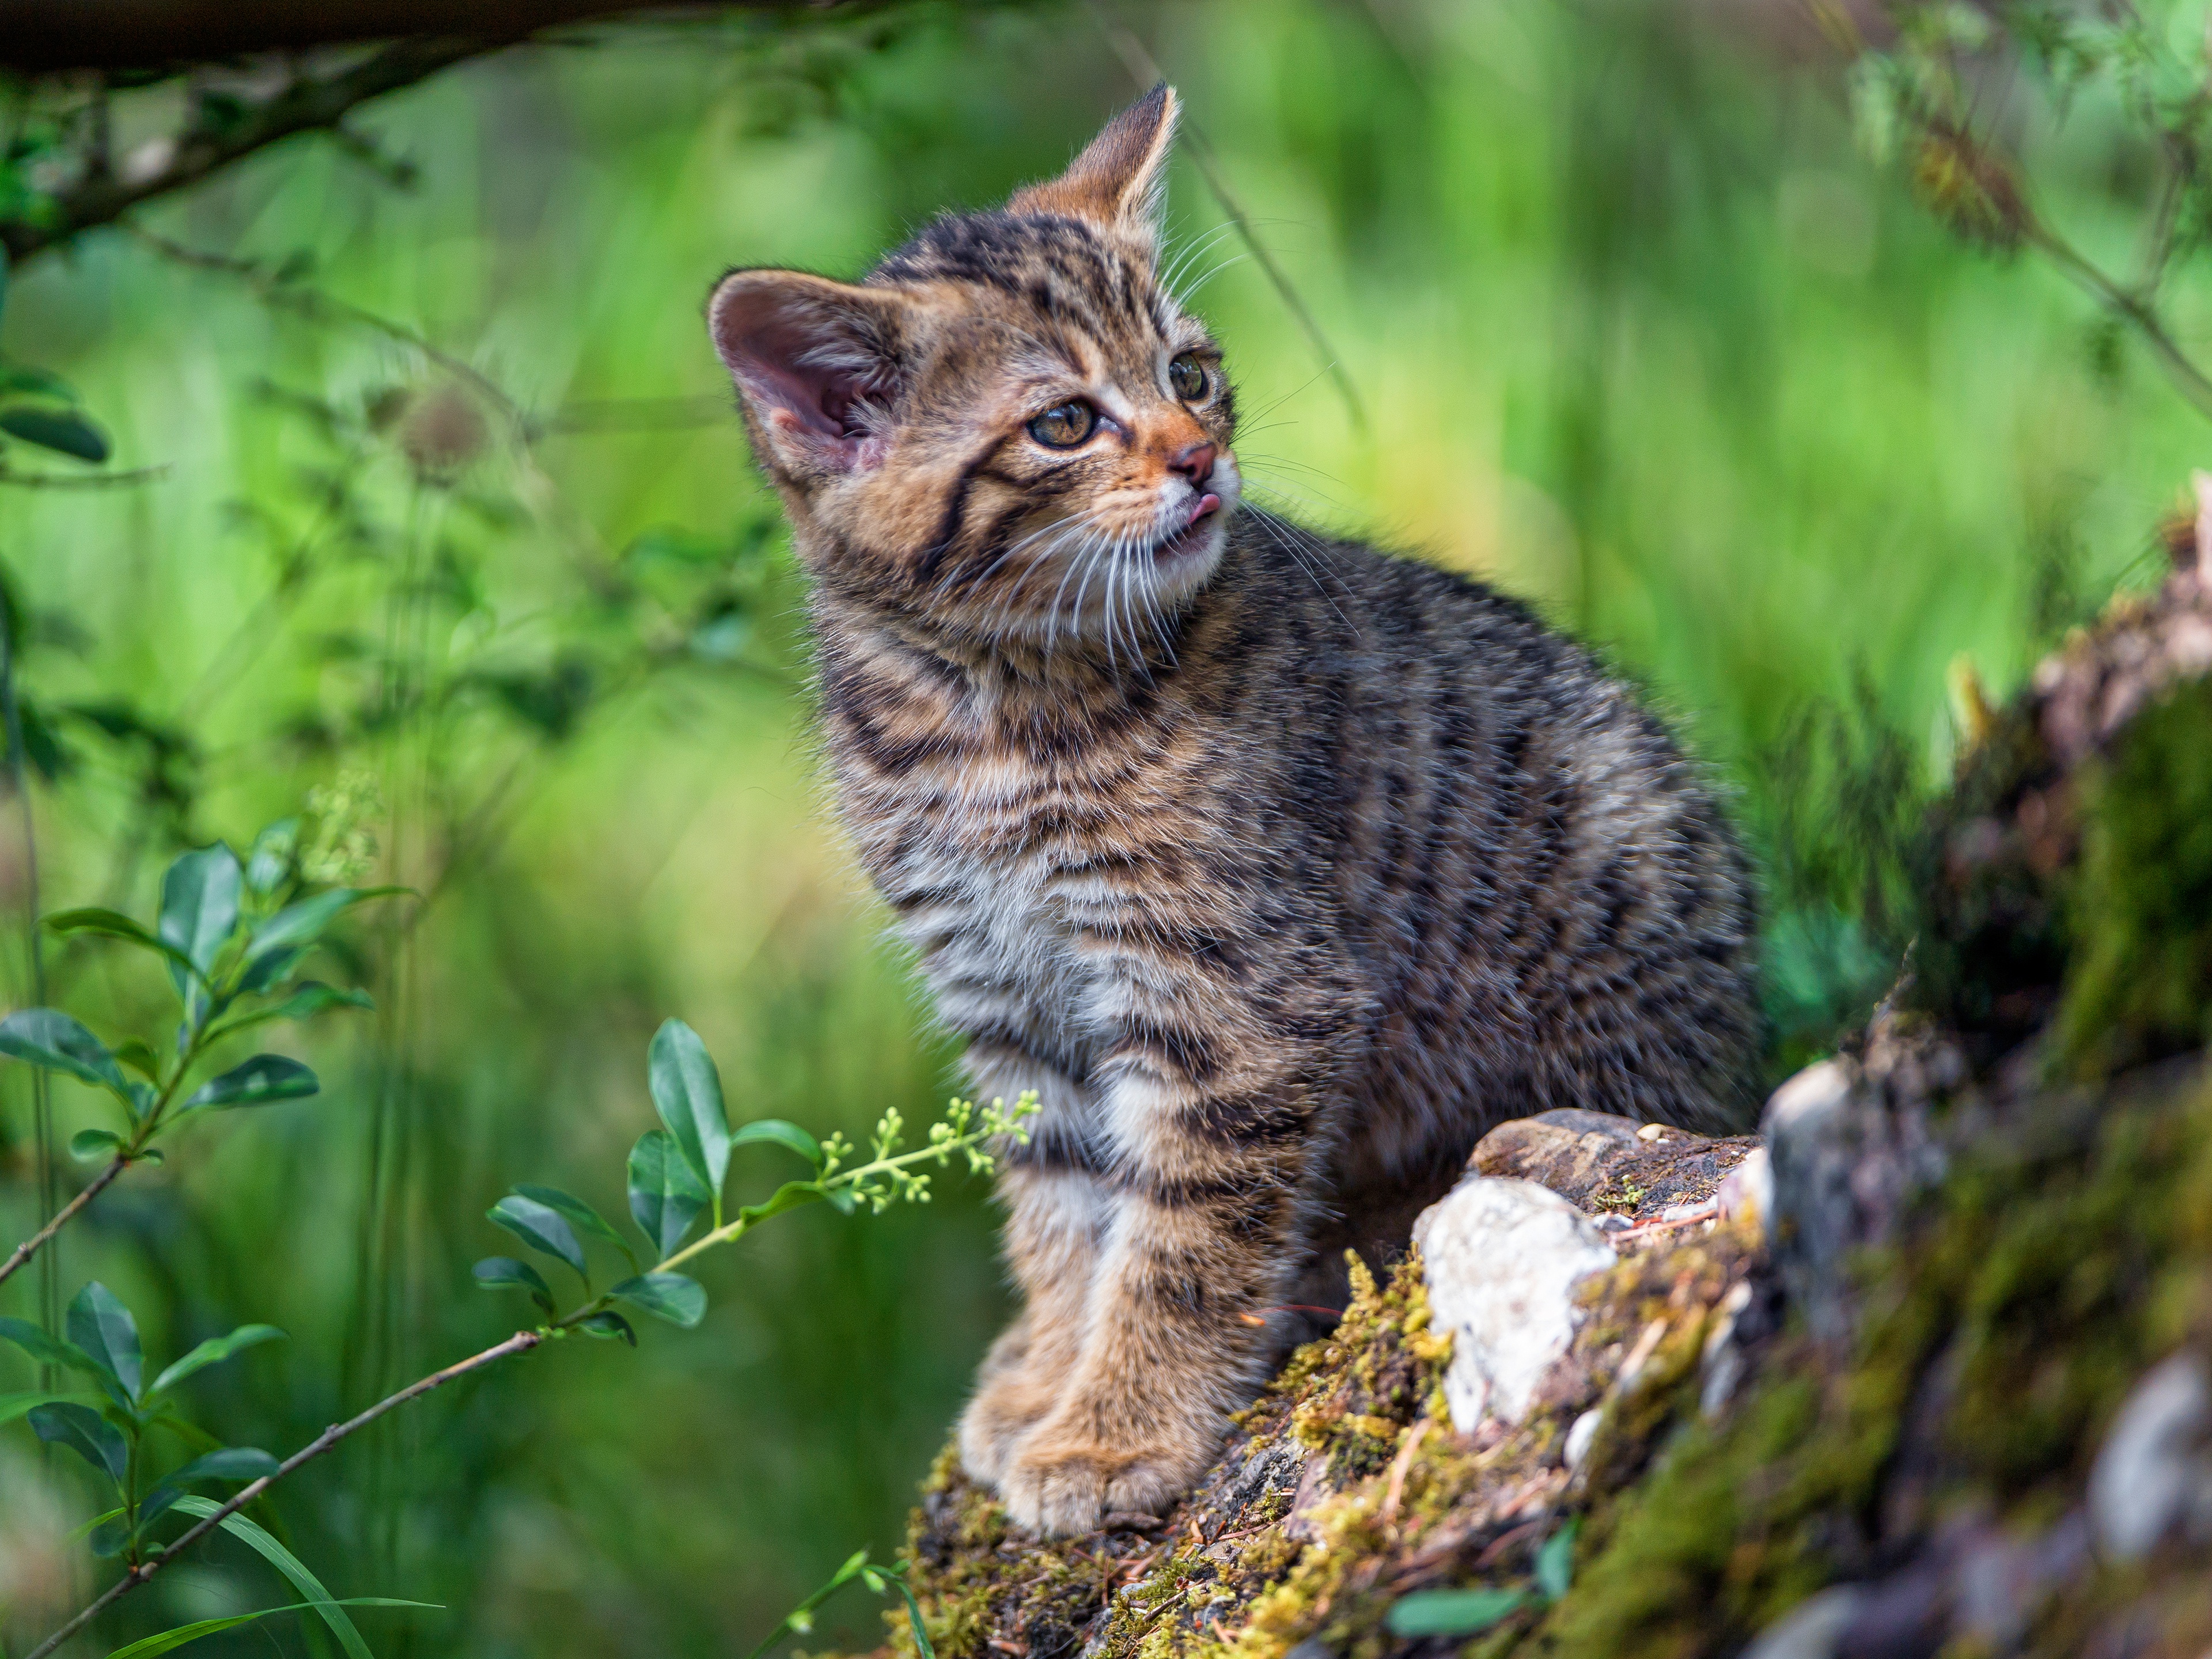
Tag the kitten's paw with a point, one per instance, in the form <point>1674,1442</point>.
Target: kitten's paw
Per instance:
<point>1060,1488</point>
<point>993,1428</point>
<point>1013,1394</point>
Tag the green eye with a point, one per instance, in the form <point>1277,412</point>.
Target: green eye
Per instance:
<point>1189,378</point>
<point>1064,425</point>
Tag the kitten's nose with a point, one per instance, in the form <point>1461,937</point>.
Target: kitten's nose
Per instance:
<point>1195,464</point>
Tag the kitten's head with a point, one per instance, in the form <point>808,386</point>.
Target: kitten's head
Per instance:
<point>1008,430</point>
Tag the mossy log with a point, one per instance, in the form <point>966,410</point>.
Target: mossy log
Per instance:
<point>1949,1392</point>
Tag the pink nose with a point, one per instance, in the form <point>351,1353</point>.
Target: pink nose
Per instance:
<point>1195,462</point>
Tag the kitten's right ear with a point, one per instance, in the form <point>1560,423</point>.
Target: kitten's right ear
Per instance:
<point>815,362</point>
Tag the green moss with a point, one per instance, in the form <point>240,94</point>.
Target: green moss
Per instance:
<point>2141,909</point>
<point>969,1589</point>
<point>2046,1276</point>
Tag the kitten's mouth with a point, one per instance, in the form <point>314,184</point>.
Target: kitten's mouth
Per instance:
<point>1194,529</point>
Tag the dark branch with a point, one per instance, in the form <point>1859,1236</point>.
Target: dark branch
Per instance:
<point>303,106</point>
<point>38,37</point>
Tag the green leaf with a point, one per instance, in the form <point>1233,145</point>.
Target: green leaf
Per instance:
<point>84,1432</point>
<point>611,1325</point>
<point>541,1229</point>
<point>1453,1612</point>
<point>14,1405</point>
<point>776,1131</point>
<point>89,1144</point>
<point>288,1563</point>
<point>102,1327</point>
<point>687,1092</point>
<point>1555,1562</point>
<point>238,1463</point>
<point>312,997</point>
<point>496,1272</point>
<point>271,860</point>
<point>35,382</point>
<point>49,1038</point>
<point>213,1352</point>
<point>789,1196</point>
<point>665,1194</point>
<point>47,1350</point>
<point>147,1646</point>
<point>199,913</point>
<point>582,1217</point>
<point>62,430</point>
<point>298,926</point>
<point>266,972</point>
<point>671,1297</point>
<point>913,1617</point>
<point>134,1052</point>
<point>113,924</point>
<point>263,1078</point>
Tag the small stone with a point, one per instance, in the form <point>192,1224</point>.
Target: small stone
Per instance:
<point>2153,1466</point>
<point>1844,1166</point>
<point>1579,1436</point>
<point>1502,1259</point>
<point>1814,1630</point>
<point>1652,1132</point>
<point>1721,1361</point>
<point>1747,1193</point>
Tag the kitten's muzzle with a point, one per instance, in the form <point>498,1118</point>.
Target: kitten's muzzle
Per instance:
<point>1196,463</point>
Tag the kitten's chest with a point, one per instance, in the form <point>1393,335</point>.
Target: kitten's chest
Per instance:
<point>1016,835</point>
<point>990,888</point>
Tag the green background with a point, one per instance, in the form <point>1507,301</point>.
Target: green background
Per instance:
<point>1635,331</point>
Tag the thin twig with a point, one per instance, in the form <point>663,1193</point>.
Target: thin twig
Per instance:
<point>520,1342</point>
<point>31,1246</point>
<point>317,306</point>
<point>2189,380</point>
<point>1146,73</point>
<point>137,475</point>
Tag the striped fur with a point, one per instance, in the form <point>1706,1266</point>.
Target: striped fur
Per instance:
<point>1279,868</point>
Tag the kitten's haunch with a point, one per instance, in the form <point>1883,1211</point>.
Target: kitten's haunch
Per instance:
<point>1280,869</point>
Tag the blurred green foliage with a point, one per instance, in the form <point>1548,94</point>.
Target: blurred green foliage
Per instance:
<point>450,498</point>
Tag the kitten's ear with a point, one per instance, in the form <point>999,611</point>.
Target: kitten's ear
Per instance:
<point>815,362</point>
<point>1118,181</point>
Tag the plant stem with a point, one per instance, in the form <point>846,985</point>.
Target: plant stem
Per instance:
<point>147,1127</point>
<point>42,1103</point>
<point>31,1246</point>
<point>520,1342</point>
<point>2189,380</point>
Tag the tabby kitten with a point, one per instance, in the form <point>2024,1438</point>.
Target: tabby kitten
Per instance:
<point>1279,868</point>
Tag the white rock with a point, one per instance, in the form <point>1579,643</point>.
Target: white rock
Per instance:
<point>1579,1436</point>
<point>1811,1630</point>
<point>1748,1192</point>
<point>1502,1259</point>
<point>2148,1475</point>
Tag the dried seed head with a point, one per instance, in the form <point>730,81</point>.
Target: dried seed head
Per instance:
<point>442,430</point>
<point>1970,189</point>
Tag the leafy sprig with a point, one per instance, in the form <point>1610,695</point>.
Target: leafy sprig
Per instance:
<point>232,935</point>
<point>676,1174</point>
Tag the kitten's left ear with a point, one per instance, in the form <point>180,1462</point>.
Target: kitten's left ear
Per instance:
<point>812,359</point>
<point>1118,182</point>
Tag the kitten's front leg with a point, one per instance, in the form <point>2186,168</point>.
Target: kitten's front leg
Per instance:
<point>1206,1224</point>
<point>1055,1219</point>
